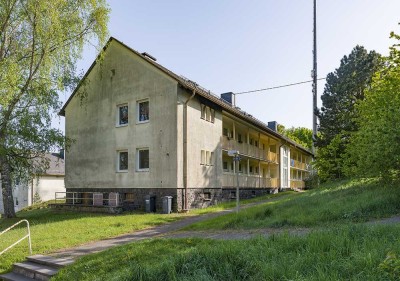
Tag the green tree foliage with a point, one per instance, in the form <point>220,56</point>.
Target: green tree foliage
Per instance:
<point>300,135</point>
<point>374,150</point>
<point>40,42</point>
<point>343,89</point>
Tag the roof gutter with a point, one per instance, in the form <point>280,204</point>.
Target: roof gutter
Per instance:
<point>185,158</point>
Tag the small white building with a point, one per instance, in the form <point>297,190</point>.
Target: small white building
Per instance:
<point>42,187</point>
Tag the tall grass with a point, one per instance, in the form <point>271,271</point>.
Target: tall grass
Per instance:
<point>341,202</point>
<point>344,253</point>
<point>52,230</point>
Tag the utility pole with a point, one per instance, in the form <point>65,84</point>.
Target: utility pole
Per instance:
<point>314,76</point>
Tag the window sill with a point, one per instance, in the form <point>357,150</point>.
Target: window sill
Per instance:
<point>142,122</point>
<point>143,170</point>
<point>122,125</point>
<point>122,171</point>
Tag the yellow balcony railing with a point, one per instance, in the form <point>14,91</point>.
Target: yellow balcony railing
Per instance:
<point>230,180</point>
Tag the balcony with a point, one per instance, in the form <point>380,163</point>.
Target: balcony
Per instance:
<point>299,165</point>
<point>297,184</point>
<point>248,150</point>
<point>230,180</point>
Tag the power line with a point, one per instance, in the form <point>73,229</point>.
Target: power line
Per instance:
<point>277,87</point>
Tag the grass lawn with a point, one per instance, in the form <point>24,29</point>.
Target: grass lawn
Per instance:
<point>334,203</point>
<point>53,230</point>
<point>343,253</point>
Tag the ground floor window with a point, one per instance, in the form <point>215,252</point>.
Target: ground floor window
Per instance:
<point>122,161</point>
<point>143,159</point>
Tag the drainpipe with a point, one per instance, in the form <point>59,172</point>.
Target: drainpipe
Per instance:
<point>185,162</point>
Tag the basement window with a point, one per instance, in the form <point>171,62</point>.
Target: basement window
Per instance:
<point>207,196</point>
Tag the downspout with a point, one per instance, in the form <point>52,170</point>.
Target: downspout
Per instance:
<point>185,161</point>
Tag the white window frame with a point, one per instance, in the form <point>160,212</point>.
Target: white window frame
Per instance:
<point>138,111</point>
<point>118,161</point>
<point>138,150</point>
<point>203,157</point>
<point>118,124</point>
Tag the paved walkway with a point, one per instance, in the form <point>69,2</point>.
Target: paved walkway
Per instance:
<point>165,230</point>
<point>170,230</point>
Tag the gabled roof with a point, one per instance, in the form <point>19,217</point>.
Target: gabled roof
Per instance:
<point>192,86</point>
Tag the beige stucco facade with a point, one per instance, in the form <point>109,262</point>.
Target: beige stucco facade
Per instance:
<point>188,134</point>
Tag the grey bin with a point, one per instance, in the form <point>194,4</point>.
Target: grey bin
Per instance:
<point>150,203</point>
<point>167,204</point>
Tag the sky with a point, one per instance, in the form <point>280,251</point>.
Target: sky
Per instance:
<point>238,45</point>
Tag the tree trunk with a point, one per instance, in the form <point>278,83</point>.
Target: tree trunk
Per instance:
<point>6,189</point>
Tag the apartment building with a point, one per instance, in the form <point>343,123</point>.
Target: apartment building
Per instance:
<point>140,130</point>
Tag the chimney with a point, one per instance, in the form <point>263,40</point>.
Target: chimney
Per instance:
<point>273,125</point>
<point>229,98</point>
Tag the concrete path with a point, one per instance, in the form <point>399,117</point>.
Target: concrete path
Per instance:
<point>158,231</point>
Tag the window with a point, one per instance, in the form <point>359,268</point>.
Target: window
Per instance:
<point>232,194</point>
<point>207,113</point>
<point>122,115</point>
<point>251,169</point>
<point>256,170</point>
<point>210,158</point>
<point>143,159</point>
<point>122,165</point>
<point>143,111</point>
<point>207,158</point>
<point>225,131</point>
<point>256,143</point>
<point>239,138</point>
<point>240,167</point>
<point>225,166</point>
<point>203,112</point>
<point>207,196</point>
<point>203,157</point>
<point>251,141</point>
<point>232,168</point>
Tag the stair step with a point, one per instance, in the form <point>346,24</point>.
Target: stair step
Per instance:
<point>51,261</point>
<point>12,276</point>
<point>34,270</point>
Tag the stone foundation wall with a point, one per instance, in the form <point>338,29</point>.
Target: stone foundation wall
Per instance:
<point>199,198</point>
<point>134,198</point>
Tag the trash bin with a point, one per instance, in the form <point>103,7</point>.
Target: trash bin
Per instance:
<point>167,204</point>
<point>150,203</point>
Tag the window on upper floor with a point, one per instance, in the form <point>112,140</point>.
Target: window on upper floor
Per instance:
<point>239,137</point>
<point>142,159</point>
<point>207,113</point>
<point>122,115</point>
<point>143,111</point>
<point>202,157</point>
<point>207,158</point>
<point>122,161</point>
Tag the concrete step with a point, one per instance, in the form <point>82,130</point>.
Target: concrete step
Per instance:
<point>34,270</point>
<point>50,261</point>
<point>12,276</point>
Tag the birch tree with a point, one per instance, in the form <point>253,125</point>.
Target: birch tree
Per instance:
<point>40,42</point>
